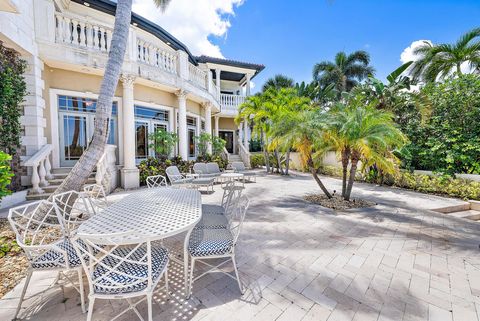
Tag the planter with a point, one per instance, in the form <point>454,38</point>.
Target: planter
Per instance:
<point>13,199</point>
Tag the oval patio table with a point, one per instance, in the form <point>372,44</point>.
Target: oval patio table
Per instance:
<point>152,214</point>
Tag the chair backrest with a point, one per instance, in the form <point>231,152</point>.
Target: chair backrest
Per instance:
<point>231,195</point>
<point>173,173</point>
<point>96,196</point>
<point>212,168</point>
<point>200,168</point>
<point>36,225</point>
<point>238,166</point>
<point>74,208</point>
<point>113,264</point>
<point>156,181</point>
<point>239,212</point>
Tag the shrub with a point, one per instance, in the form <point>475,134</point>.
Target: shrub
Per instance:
<point>222,163</point>
<point>5,174</point>
<point>157,166</point>
<point>218,144</point>
<point>163,142</point>
<point>257,160</point>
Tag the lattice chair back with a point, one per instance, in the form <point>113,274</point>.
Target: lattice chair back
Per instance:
<point>200,168</point>
<point>115,266</point>
<point>75,208</point>
<point>238,166</point>
<point>238,217</point>
<point>231,196</point>
<point>156,181</point>
<point>97,197</point>
<point>212,168</point>
<point>38,228</point>
<point>173,174</point>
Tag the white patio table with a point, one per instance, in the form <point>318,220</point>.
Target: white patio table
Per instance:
<point>152,214</point>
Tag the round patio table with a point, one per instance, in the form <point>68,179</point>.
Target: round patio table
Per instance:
<point>151,214</point>
<point>233,176</point>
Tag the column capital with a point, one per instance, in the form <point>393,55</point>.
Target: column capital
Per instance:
<point>207,104</point>
<point>181,94</point>
<point>127,80</point>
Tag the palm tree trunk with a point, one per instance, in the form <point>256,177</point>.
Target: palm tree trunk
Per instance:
<point>351,178</point>
<point>279,162</point>
<point>314,171</point>
<point>265,151</point>
<point>345,156</point>
<point>82,169</point>
<point>287,162</point>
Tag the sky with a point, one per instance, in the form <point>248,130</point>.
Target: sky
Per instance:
<point>289,37</point>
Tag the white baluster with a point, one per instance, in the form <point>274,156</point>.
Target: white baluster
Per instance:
<point>75,36</point>
<point>58,29</point>
<point>35,180</point>
<point>95,37</point>
<point>88,35</point>
<point>48,168</point>
<point>109,39</point>
<point>153,52</point>
<point>66,30</point>
<point>101,41</point>
<point>42,173</point>
<point>83,42</point>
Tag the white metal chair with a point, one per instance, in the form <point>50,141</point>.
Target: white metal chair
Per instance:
<point>40,233</point>
<point>74,208</point>
<point>121,269</point>
<point>176,178</point>
<point>239,167</point>
<point>231,191</point>
<point>97,197</point>
<point>156,181</point>
<point>205,244</point>
<point>202,170</point>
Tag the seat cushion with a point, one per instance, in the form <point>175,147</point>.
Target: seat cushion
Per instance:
<point>212,209</point>
<point>209,175</point>
<point>183,181</point>
<point>125,278</point>
<point>203,181</point>
<point>55,259</point>
<point>206,242</point>
<point>212,221</point>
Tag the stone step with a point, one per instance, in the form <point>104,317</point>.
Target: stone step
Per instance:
<point>454,208</point>
<point>36,197</point>
<point>468,214</point>
<point>58,181</point>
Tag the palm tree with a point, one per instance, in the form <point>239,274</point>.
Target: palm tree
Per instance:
<point>439,61</point>
<point>345,72</point>
<point>87,162</point>
<point>363,133</point>
<point>277,82</point>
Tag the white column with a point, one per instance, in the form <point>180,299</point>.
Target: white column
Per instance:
<point>216,125</point>
<point>208,123</point>
<point>130,173</point>
<point>182,124</point>
<point>245,134</point>
<point>247,89</point>
<point>218,73</point>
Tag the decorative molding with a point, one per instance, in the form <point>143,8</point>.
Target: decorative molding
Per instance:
<point>181,94</point>
<point>127,80</point>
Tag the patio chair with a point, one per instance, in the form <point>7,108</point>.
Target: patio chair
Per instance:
<point>97,197</point>
<point>176,178</point>
<point>213,169</point>
<point>116,268</point>
<point>206,244</point>
<point>74,208</point>
<point>39,232</point>
<point>239,167</point>
<point>202,170</point>
<point>156,181</point>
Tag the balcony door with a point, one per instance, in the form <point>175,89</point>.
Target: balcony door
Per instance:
<point>147,121</point>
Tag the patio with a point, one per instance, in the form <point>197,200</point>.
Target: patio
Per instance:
<point>299,261</point>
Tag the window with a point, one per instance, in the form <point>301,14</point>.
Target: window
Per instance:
<point>80,104</point>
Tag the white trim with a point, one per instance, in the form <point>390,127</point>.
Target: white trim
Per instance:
<point>54,129</point>
<point>170,110</point>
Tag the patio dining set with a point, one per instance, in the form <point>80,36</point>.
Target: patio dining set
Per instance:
<point>122,247</point>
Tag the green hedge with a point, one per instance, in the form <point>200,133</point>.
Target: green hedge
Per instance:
<point>257,160</point>
<point>5,174</point>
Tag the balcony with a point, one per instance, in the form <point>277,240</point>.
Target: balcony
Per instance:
<point>229,103</point>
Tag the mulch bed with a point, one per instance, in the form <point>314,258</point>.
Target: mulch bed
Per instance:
<point>13,262</point>
<point>337,202</point>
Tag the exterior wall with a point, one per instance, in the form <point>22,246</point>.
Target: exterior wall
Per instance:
<point>227,124</point>
<point>231,86</point>
<point>17,29</point>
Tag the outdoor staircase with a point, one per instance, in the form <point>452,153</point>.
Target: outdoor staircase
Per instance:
<point>234,158</point>
<point>58,176</point>
<point>469,210</point>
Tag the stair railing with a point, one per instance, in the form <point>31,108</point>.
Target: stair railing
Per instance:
<point>40,166</point>
<point>106,174</point>
<point>243,153</point>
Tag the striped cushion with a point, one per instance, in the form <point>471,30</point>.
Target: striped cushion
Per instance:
<point>205,242</point>
<point>54,259</point>
<point>212,209</point>
<point>212,221</point>
<point>125,278</point>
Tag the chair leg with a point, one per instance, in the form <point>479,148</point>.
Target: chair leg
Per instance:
<point>82,291</point>
<point>24,290</point>
<point>236,274</point>
<point>166,283</point>
<point>190,283</point>
<point>149,303</point>
<point>91,302</point>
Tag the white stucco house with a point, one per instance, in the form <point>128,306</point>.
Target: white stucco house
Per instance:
<point>66,42</point>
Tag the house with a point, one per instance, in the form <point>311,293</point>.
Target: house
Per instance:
<point>66,43</point>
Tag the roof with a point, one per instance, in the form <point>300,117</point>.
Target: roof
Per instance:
<point>229,62</point>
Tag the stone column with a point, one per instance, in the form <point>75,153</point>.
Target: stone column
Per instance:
<point>216,125</point>
<point>130,174</point>
<point>245,134</point>
<point>218,73</point>
<point>247,89</point>
<point>208,123</point>
<point>182,124</point>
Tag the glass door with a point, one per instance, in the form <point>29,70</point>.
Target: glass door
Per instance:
<point>192,150</point>
<point>227,136</point>
<point>141,139</point>
<point>73,138</point>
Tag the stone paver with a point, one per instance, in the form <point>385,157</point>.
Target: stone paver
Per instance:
<point>299,261</point>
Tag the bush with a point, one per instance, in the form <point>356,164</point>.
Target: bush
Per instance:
<point>257,160</point>
<point>222,163</point>
<point>5,174</point>
<point>157,166</point>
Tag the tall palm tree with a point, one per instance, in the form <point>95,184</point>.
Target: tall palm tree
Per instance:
<point>438,61</point>
<point>277,82</point>
<point>346,71</point>
<point>87,162</point>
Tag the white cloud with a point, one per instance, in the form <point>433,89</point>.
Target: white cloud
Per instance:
<point>193,21</point>
<point>408,55</point>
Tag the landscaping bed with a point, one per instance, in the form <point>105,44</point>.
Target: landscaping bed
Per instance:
<point>337,202</point>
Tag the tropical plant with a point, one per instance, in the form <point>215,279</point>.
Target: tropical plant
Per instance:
<point>218,145</point>
<point>203,141</point>
<point>319,95</point>
<point>163,142</point>
<point>277,82</point>
<point>345,72</point>
<point>361,133</point>
<point>5,174</point>
<point>437,61</point>
<point>87,162</point>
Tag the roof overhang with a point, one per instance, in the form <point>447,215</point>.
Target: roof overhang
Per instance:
<point>231,69</point>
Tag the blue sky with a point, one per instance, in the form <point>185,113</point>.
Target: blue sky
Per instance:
<point>290,36</point>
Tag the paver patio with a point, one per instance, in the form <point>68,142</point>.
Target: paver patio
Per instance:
<point>394,261</point>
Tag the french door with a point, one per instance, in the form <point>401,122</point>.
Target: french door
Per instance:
<point>143,128</point>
